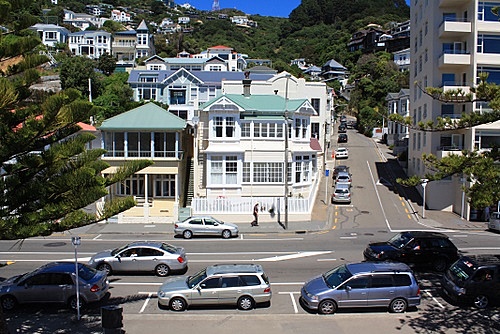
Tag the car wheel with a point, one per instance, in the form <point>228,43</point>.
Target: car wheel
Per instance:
<point>9,302</point>
<point>440,264</point>
<point>327,307</point>
<point>226,234</point>
<point>177,304</point>
<point>72,303</point>
<point>245,303</point>
<point>162,270</point>
<point>104,267</point>
<point>481,301</point>
<point>187,234</point>
<point>398,305</point>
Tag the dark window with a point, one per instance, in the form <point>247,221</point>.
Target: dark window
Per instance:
<point>130,252</point>
<point>150,252</point>
<point>210,283</point>
<point>61,279</point>
<point>382,281</point>
<point>402,280</point>
<point>40,279</point>
<point>196,222</point>
<point>250,280</point>
<point>230,282</point>
<point>210,222</point>
<point>358,282</point>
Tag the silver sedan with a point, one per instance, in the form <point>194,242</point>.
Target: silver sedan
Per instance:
<point>205,225</point>
<point>150,256</point>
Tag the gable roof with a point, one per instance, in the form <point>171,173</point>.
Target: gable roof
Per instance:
<point>146,117</point>
<point>262,105</point>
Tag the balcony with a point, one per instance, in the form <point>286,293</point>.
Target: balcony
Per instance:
<point>444,151</point>
<point>454,59</point>
<point>453,3</point>
<point>448,29</point>
<point>460,90</point>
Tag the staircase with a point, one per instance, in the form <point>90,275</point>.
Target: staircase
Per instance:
<point>190,190</point>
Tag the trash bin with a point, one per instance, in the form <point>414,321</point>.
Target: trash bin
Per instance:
<point>112,317</point>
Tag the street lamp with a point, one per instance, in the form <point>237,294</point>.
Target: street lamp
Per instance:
<point>424,184</point>
<point>76,241</point>
<point>286,151</point>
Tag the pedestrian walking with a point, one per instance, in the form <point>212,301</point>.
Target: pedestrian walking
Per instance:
<point>256,214</point>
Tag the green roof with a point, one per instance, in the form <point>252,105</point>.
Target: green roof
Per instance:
<point>148,117</point>
<point>262,103</point>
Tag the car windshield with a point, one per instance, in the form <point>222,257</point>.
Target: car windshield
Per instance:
<point>169,248</point>
<point>341,191</point>
<point>461,270</point>
<point>336,276</point>
<point>197,278</point>
<point>400,240</point>
<point>118,250</point>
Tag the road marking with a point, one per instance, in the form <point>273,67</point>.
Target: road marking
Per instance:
<point>433,298</point>
<point>378,197</point>
<point>294,303</point>
<point>97,237</point>
<point>325,260</point>
<point>292,256</point>
<point>348,237</point>
<point>146,302</point>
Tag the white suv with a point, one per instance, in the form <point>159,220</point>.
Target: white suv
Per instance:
<point>244,285</point>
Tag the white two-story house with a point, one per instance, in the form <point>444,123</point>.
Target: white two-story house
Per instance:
<point>244,143</point>
<point>92,44</point>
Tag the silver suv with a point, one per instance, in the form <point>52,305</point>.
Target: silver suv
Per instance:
<point>364,284</point>
<point>244,285</point>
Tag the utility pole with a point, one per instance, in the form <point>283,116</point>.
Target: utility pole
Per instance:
<point>286,152</point>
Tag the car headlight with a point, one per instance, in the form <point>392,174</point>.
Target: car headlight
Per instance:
<point>161,294</point>
<point>311,296</point>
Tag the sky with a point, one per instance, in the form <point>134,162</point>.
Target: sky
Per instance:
<point>277,8</point>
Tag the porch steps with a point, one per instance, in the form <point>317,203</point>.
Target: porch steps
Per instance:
<point>190,191</point>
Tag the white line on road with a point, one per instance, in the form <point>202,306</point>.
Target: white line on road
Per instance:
<point>324,260</point>
<point>378,197</point>
<point>434,299</point>
<point>97,237</point>
<point>348,237</point>
<point>294,303</point>
<point>292,256</point>
<point>146,302</point>
<point>159,283</point>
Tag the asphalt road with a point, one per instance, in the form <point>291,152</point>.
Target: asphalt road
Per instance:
<point>289,260</point>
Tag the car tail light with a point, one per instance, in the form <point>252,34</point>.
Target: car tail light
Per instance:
<point>418,292</point>
<point>267,290</point>
<point>180,259</point>
<point>95,288</point>
<point>176,226</point>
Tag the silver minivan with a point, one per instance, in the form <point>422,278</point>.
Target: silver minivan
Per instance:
<point>494,223</point>
<point>364,284</point>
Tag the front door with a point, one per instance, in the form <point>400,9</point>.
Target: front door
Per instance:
<point>207,292</point>
<point>354,293</point>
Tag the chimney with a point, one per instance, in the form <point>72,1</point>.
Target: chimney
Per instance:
<point>246,84</point>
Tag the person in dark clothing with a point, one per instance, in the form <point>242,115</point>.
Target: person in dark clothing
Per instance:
<point>255,215</point>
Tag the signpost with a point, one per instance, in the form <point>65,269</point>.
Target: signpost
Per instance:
<point>327,173</point>
<point>76,241</point>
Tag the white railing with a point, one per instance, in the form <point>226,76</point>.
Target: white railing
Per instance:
<point>244,205</point>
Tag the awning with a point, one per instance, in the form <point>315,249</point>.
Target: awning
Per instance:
<point>224,148</point>
<point>147,170</point>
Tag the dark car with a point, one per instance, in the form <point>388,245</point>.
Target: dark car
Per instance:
<point>416,248</point>
<point>55,282</point>
<point>342,138</point>
<point>338,169</point>
<point>342,128</point>
<point>474,279</point>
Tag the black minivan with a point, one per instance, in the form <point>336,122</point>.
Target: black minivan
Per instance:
<point>474,279</point>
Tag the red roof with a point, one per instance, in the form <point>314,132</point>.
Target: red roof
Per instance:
<point>315,145</point>
<point>86,127</point>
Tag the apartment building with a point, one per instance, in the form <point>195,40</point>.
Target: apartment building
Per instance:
<point>452,42</point>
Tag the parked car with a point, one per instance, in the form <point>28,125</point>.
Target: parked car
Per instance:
<point>417,248</point>
<point>338,169</point>
<point>341,194</point>
<point>146,256</point>
<point>474,279</point>
<point>243,285</point>
<point>364,284</point>
<point>342,138</point>
<point>342,128</point>
<point>343,177</point>
<point>205,225</point>
<point>494,223</point>
<point>54,282</point>
<point>341,153</point>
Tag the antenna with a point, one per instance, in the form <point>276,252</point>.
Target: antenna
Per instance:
<point>215,6</point>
